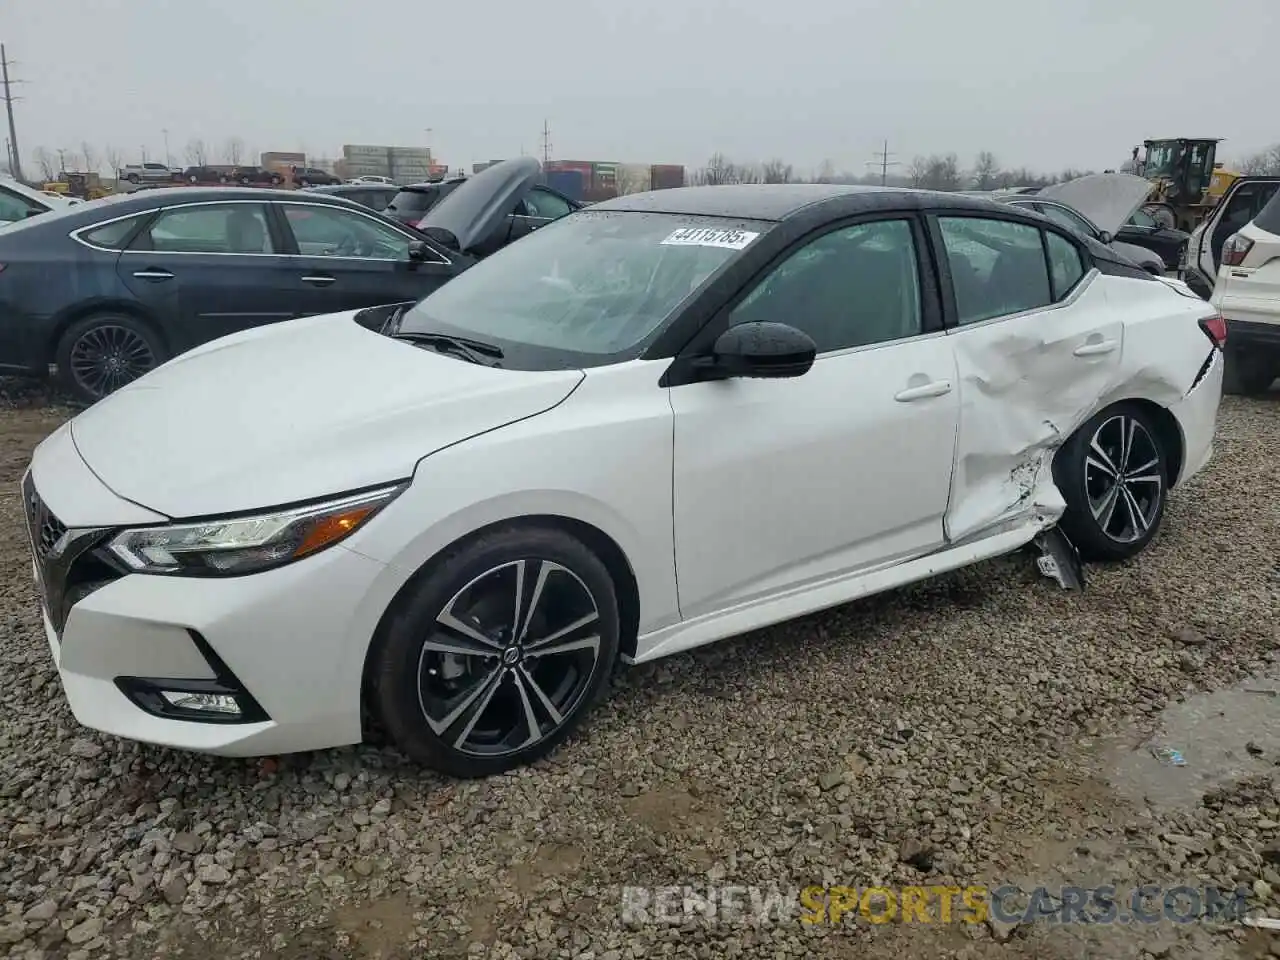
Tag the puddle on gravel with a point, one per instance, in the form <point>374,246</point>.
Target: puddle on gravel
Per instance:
<point>1211,731</point>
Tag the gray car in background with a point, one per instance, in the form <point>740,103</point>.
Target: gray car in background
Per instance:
<point>1095,206</point>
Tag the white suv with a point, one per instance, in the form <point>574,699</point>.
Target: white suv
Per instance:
<point>1247,293</point>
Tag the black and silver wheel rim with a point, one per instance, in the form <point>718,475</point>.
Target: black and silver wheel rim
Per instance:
<point>1124,478</point>
<point>108,356</point>
<point>510,658</point>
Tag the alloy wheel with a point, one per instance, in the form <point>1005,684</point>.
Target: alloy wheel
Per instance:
<point>1124,478</point>
<point>509,659</point>
<point>108,356</point>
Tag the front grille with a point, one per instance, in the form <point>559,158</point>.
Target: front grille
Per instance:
<point>68,568</point>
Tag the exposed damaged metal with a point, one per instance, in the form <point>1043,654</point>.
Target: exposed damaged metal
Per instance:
<point>1059,560</point>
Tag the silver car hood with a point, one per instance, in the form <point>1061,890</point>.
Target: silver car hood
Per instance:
<point>1108,199</point>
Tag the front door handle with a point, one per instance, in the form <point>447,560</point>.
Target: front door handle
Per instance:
<point>153,273</point>
<point>937,388</point>
<point>1096,348</point>
<point>319,280</point>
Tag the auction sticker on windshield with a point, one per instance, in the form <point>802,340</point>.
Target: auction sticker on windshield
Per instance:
<point>708,237</point>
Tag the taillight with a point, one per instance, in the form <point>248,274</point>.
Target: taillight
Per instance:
<point>1235,250</point>
<point>1215,328</point>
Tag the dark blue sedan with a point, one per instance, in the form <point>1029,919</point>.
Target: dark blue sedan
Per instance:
<point>107,290</point>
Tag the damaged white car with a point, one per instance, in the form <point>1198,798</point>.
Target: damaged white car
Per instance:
<point>659,422</point>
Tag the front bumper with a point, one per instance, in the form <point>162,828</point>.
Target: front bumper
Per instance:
<point>288,644</point>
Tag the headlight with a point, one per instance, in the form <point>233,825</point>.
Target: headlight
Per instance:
<point>247,544</point>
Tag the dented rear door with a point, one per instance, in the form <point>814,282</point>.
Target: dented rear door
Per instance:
<point>1036,346</point>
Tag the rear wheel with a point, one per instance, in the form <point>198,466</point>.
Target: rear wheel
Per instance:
<point>101,353</point>
<point>1114,475</point>
<point>498,652</point>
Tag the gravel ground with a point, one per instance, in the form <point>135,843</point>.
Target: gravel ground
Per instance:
<point>961,731</point>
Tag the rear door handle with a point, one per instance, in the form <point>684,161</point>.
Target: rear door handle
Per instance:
<point>937,388</point>
<point>1096,348</point>
<point>153,273</point>
<point>319,280</point>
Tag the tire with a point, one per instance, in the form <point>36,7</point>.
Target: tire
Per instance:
<point>1246,376</point>
<point>425,696</point>
<point>193,178</point>
<point>1102,524</point>
<point>133,178</point>
<point>94,340</point>
<point>244,181</point>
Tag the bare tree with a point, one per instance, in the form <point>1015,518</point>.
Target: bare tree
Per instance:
<point>918,171</point>
<point>719,169</point>
<point>91,158</point>
<point>47,163</point>
<point>114,159</point>
<point>942,172</point>
<point>826,172</point>
<point>1263,164</point>
<point>197,153</point>
<point>986,171</point>
<point>775,171</point>
<point>233,151</point>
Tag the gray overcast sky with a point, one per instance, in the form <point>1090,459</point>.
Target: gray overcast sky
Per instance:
<point>1046,83</point>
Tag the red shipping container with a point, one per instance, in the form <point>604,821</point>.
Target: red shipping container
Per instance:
<point>583,167</point>
<point>667,175</point>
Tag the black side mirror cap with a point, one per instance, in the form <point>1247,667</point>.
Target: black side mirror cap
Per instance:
<point>761,350</point>
<point>419,252</point>
<point>1105,237</point>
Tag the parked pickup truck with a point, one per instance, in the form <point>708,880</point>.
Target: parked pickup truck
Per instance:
<point>147,173</point>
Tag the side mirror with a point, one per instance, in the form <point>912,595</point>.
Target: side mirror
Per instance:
<point>419,252</point>
<point>762,350</point>
<point>1105,237</point>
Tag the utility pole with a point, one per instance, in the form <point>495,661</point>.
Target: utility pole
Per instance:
<point>885,163</point>
<point>62,160</point>
<point>546,143</point>
<point>15,156</point>
<point>168,160</point>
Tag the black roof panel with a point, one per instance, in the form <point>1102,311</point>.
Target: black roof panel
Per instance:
<point>770,201</point>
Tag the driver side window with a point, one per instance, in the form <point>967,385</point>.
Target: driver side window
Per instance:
<point>848,288</point>
<point>332,232</point>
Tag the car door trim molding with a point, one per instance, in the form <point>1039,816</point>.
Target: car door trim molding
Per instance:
<point>76,233</point>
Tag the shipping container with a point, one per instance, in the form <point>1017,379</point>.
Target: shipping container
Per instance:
<point>568,182</point>
<point>665,176</point>
<point>595,194</point>
<point>634,178</point>
<point>581,166</point>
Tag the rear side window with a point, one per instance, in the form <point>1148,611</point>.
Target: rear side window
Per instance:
<point>997,267</point>
<point>1065,266</point>
<point>14,206</point>
<point>1268,217</point>
<point>113,236</point>
<point>414,202</point>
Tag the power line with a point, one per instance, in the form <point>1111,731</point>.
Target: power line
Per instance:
<point>15,155</point>
<point>884,162</point>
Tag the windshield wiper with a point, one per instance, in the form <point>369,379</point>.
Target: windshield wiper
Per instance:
<point>477,351</point>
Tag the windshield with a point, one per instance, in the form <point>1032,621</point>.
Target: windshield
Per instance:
<point>416,202</point>
<point>1160,159</point>
<point>592,288</point>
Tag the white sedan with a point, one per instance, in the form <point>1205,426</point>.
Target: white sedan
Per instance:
<point>657,423</point>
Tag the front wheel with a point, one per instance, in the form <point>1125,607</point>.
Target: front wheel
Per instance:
<point>1114,475</point>
<point>102,353</point>
<point>498,652</point>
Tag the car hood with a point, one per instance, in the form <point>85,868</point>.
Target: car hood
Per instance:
<point>473,210</point>
<point>296,411</point>
<point>1108,199</point>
